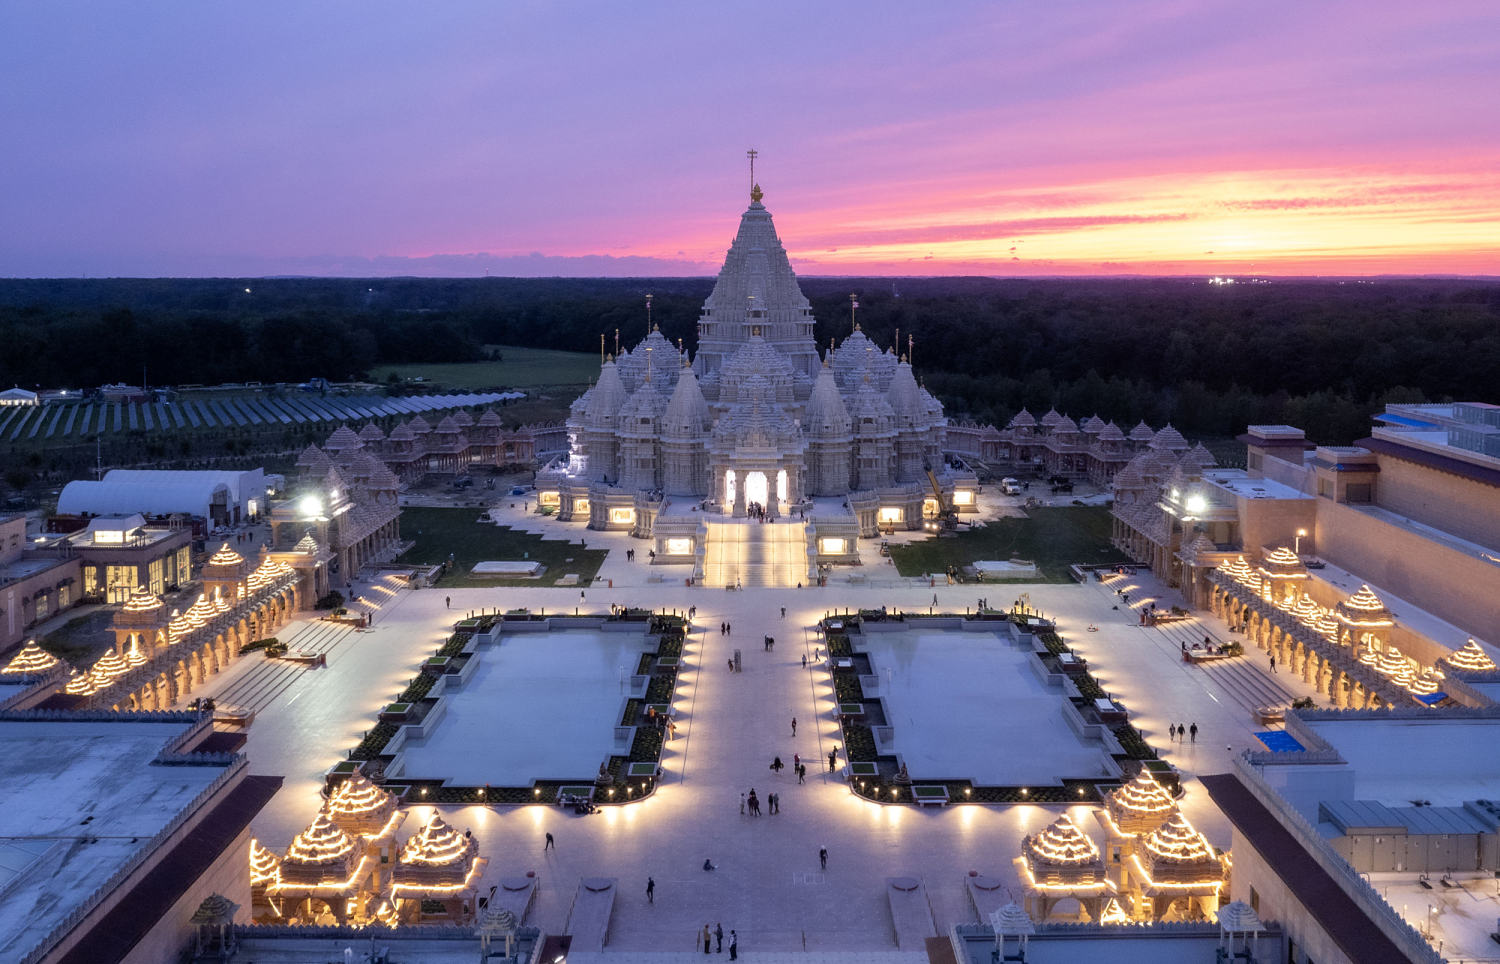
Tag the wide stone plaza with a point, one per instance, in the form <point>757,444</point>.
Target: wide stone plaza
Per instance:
<point>768,885</point>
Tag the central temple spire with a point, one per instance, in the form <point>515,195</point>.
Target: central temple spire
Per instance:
<point>755,194</point>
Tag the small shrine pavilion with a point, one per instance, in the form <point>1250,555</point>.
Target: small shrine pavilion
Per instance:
<point>438,866</point>
<point>1059,863</point>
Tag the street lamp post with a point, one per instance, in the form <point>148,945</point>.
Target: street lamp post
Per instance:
<point>1297,546</point>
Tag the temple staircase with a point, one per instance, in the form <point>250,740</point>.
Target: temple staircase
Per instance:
<point>748,553</point>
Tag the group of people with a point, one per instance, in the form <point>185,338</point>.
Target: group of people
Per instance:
<point>708,937</point>
<point>758,512</point>
<point>1177,731</point>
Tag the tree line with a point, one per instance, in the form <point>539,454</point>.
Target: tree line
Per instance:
<point>1322,355</point>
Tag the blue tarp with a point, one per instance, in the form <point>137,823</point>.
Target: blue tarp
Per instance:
<point>1279,741</point>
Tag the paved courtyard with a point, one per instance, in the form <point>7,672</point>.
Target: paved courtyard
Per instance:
<point>768,885</point>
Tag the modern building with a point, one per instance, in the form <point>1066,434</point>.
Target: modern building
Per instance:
<point>1365,568</point>
<point>34,584</point>
<point>18,397</point>
<point>1372,835</point>
<point>119,554</point>
<point>756,427</point>
<point>109,857</point>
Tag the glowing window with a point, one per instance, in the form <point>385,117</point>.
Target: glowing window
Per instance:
<point>548,498</point>
<point>580,505</point>
<point>679,547</point>
<point>892,513</point>
<point>624,516</point>
<point>833,545</point>
<point>963,497</point>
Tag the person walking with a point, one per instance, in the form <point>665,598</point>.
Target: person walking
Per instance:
<point>1172,732</point>
<point>1273,662</point>
<point>804,661</point>
<point>707,940</point>
<point>734,946</point>
<point>794,728</point>
<point>550,844</point>
<point>1181,729</point>
<point>718,938</point>
<point>742,804</point>
<point>650,890</point>
<point>447,602</point>
<point>823,857</point>
<point>1193,732</point>
<point>783,612</point>
<point>802,773</point>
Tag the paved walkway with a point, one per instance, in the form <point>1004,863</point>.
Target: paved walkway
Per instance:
<point>768,885</point>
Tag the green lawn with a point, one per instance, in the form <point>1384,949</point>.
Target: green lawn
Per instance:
<point>1054,538</point>
<point>441,532</point>
<point>519,368</point>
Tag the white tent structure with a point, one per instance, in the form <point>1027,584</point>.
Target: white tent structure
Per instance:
<point>247,487</point>
<point>196,494</point>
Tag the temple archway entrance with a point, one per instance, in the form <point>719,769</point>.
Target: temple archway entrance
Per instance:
<point>757,489</point>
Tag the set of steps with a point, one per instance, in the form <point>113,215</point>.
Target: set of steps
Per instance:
<point>1245,683</point>
<point>746,553</point>
<point>1248,686</point>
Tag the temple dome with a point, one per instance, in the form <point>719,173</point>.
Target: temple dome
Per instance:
<point>1176,853</point>
<point>1169,438</point>
<point>358,806</point>
<point>653,356</point>
<point>607,398</point>
<point>322,853</point>
<point>1363,610</point>
<point>905,397</point>
<point>32,659</point>
<point>1062,853</point>
<point>686,414</point>
<point>1111,433</point>
<point>757,358</point>
<point>371,434</point>
<point>1471,658</point>
<point>1139,806</point>
<point>756,266</point>
<point>342,440</point>
<point>1022,419</point>
<point>826,415</point>
<point>1142,433</point>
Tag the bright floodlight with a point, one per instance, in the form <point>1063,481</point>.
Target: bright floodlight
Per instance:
<point>311,506</point>
<point>1196,504</point>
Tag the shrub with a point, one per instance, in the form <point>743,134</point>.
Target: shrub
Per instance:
<point>266,643</point>
<point>859,742</point>
<point>846,688</point>
<point>660,689</point>
<point>416,689</point>
<point>1303,703</point>
<point>1134,745</point>
<point>375,740</point>
<point>333,600</point>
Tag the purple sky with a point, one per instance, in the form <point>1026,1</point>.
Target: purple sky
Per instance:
<point>551,138</point>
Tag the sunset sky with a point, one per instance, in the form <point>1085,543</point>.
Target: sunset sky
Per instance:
<point>525,138</point>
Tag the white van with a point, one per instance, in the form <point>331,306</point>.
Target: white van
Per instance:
<point>1010,486</point>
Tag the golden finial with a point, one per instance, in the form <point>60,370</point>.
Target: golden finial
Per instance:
<point>756,193</point>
